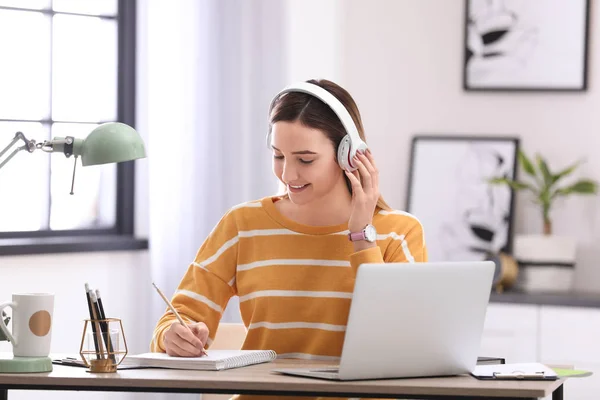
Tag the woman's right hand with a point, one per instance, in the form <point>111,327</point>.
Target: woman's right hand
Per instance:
<point>180,342</point>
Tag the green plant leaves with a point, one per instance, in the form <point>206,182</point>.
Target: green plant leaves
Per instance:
<point>543,184</point>
<point>526,164</point>
<point>544,170</point>
<point>564,172</point>
<point>582,186</point>
<point>516,185</point>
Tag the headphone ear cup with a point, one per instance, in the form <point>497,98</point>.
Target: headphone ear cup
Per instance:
<point>343,154</point>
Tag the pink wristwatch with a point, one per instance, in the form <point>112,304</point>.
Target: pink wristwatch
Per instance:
<point>369,233</point>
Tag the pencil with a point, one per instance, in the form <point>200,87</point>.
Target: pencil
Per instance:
<point>181,321</point>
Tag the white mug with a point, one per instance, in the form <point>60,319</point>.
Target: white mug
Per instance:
<point>31,324</point>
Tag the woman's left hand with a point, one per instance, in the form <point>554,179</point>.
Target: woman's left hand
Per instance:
<point>365,191</point>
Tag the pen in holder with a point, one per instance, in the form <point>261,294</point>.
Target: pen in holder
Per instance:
<point>103,345</point>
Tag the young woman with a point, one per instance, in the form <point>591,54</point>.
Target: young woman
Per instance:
<point>292,259</point>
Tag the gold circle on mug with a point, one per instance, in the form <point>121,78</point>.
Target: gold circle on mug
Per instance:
<point>40,323</point>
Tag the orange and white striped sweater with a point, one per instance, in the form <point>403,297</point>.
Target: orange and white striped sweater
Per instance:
<point>294,281</point>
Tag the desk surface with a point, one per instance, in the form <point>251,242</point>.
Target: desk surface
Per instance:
<point>259,379</point>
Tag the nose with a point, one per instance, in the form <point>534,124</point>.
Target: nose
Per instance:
<point>289,172</point>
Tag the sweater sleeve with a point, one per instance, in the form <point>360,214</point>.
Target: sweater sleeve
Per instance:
<point>207,285</point>
<point>410,247</point>
<point>407,247</point>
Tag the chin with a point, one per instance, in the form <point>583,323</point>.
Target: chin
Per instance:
<point>300,199</point>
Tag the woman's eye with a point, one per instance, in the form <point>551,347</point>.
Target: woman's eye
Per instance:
<point>306,161</point>
<point>278,157</point>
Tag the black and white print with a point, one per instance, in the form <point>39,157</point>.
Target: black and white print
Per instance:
<point>525,44</point>
<point>464,217</point>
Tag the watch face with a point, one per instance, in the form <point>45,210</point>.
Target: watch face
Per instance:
<point>370,233</point>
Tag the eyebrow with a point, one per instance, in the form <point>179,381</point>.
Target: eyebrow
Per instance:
<point>297,152</point>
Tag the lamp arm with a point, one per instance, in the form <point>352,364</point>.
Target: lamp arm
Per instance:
<point>68,146</point>
<point>30,146</point>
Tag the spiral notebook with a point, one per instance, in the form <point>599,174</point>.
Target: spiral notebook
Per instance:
<point>216,360</point>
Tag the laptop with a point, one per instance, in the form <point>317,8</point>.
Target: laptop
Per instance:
<point>412,320</point>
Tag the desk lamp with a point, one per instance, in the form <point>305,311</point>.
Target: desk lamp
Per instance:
<point>110,142</point>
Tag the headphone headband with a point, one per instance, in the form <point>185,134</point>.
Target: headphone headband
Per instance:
<point>351,142</point>
<point>327,98</point>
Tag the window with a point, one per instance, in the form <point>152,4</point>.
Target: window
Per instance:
<point>68,66</point>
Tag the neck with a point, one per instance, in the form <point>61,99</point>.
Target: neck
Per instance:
<point>332,209</point>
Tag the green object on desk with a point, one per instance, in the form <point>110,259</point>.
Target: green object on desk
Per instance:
<point>571,373</point>
<point>16,365</point>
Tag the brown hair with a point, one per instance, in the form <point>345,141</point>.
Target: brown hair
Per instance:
<point>314,113</point>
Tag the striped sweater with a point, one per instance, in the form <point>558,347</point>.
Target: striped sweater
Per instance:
<point>294,281</point>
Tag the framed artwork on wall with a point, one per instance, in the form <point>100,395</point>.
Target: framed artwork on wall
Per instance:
<point>464,217</point>
<point>525,45</point>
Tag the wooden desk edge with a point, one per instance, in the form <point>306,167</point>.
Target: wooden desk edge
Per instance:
<point>252,384</point>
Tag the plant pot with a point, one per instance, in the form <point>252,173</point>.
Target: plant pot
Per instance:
<point>546,262</point>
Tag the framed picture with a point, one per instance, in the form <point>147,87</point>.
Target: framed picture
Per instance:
<point>464,217</point>
<point>526,45</point>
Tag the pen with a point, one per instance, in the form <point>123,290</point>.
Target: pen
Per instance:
<point>95,334</point>
<point>96,318</point>
<point>104,327</point>
<point>181,321</point>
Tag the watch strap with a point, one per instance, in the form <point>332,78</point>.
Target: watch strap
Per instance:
<point>356,236</point>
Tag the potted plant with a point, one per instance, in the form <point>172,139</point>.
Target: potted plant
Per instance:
<point>547,260</point>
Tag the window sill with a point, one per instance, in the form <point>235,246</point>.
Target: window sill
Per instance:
<point>70,244</point>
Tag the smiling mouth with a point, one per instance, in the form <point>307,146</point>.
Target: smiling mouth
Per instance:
<point>294,188</point>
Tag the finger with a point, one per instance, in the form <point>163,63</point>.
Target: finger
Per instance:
<point>191,341</point>
<point>201,332</point>
<point>172,349</point>
<point>364,158</point>
<point>184,349</point>
<point>374,171</point>
<point>367,182</point>
<point>355,182</point>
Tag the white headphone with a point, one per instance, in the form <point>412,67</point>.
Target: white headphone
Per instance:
<point>351,143</point>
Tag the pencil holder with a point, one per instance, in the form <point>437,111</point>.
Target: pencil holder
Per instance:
<point>103,344</point>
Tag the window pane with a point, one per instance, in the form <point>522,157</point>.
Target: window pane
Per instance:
<point>94,7</point>
<point>84,69</point>
<point>23,180</point>
<point>94,203</point>
<point>25,66</point>
<point>31,4</point>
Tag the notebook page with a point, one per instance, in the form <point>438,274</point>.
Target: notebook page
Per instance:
<point>216,359</point>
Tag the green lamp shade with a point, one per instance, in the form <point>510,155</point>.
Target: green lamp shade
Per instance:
<point>111,142</point>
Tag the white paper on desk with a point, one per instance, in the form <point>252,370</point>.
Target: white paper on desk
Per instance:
<point>214,361</point>
<point>488,371</point>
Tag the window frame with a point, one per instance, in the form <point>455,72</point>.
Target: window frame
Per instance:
<point>122,235</point>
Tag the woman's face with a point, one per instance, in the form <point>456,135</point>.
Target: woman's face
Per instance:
<point>305,161</point>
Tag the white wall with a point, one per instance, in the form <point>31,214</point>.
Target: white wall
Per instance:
<point>402,60</point>
<point>313,39</point>
<point>121,277</point>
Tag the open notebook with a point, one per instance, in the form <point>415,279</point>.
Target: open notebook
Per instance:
<point>215,360</point>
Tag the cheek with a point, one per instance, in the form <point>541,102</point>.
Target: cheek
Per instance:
<point>328,174</point>
<point>277,168</point>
